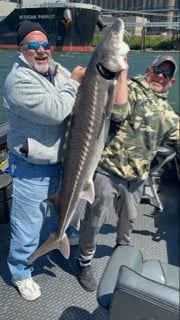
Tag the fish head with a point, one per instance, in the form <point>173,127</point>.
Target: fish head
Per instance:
<point>112,50</point>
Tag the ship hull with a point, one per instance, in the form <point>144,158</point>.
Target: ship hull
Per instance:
<point>70,28</point>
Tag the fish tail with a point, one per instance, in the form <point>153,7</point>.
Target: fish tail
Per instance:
<point>52,243</point>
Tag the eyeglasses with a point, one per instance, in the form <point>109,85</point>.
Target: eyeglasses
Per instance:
<point>166,74</point>
<point>35,45</point>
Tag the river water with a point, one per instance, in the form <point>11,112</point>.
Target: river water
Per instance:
<point>138,61</point>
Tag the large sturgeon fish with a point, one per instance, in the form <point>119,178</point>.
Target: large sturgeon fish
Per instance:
<point>87,135</point>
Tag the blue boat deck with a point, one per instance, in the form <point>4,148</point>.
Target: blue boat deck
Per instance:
<point>156,234</point>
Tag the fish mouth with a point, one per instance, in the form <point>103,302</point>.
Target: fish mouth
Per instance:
<point>104,72</point>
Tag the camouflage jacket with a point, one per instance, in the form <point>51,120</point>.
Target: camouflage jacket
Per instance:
<point>142,124</point>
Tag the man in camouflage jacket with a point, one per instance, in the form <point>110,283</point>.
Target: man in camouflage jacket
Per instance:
<point>143,120</point>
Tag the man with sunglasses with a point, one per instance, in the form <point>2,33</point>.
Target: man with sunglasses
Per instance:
<point>141,120</point>
<point>39,94</point>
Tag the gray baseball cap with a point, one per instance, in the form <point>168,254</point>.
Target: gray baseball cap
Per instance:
<point>160,59</point>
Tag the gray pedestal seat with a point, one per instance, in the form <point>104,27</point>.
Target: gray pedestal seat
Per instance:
<point>133,289</point>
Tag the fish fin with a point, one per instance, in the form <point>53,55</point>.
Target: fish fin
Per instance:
<point>109,103</point>
<point>107,112</point>
<point>65,246</point>
<point>88,192</point>
<point>52,243</point>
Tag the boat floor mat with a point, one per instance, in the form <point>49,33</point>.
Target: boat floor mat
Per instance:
<point>155,233</point>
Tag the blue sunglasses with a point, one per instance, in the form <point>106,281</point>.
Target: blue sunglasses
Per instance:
<point>166,74</point>
<point>35,45</point>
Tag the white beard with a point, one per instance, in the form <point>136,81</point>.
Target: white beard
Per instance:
<point>41,69</point>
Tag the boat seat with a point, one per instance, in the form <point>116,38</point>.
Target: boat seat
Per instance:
<point>163,156</point>
<point>133,289</point>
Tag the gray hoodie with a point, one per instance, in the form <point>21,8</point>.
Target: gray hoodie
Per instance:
<point>37,111</point>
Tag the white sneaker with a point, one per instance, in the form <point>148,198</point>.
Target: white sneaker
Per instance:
<point>28,288</point>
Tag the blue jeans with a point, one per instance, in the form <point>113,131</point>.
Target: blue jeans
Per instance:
<point>31,185</point>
